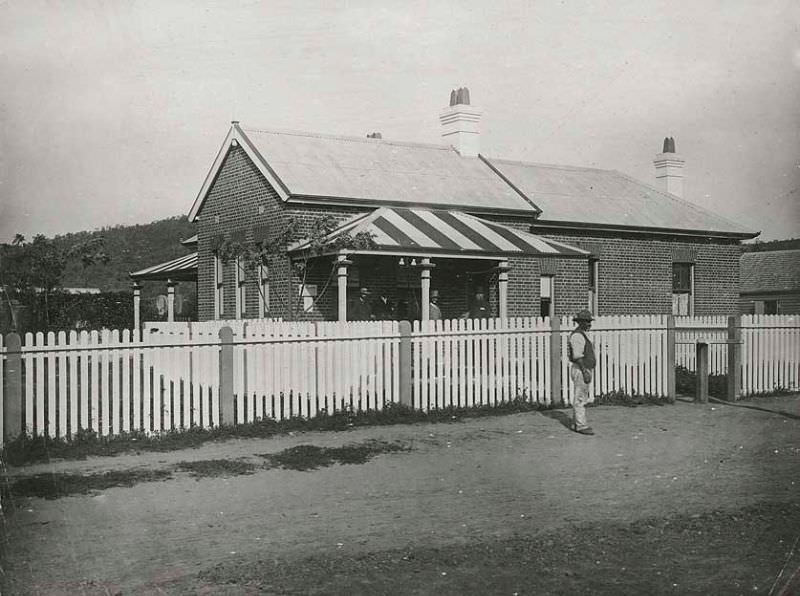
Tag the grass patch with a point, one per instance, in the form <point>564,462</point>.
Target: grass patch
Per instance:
<point>311,457</point>
<point>215,468</point>
<point>302,458</point>
<point>54,486</point>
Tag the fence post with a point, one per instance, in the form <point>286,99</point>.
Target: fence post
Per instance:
<point>405,363</point>
<point>671,390</point>
<point>226,376</point>
<point>701,392</point>
<point>555,360</point>
<point>734,357</point>
<point>12,392</point>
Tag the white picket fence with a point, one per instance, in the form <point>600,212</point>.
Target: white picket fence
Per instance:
<point>282,370</point>
<point>770,353</point>
<point>468,363</point>
<point>114,382</point>
<point>631,355</point>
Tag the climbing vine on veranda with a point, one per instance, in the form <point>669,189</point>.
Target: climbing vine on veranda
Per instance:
<point>316,235</point>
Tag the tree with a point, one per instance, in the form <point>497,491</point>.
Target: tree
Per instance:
<point>318,239</point>
<point>28,268</point>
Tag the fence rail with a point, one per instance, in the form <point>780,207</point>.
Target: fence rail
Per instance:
<point>175,377</point>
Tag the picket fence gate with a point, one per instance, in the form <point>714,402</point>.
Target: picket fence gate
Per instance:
<point>175,377</point>
<point>712,330</point>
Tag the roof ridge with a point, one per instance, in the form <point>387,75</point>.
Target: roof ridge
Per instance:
<point>318,135</point>
<point>519,162</point>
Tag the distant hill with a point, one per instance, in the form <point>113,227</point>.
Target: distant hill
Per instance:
<point>130,248</point>
<point>772,245</point>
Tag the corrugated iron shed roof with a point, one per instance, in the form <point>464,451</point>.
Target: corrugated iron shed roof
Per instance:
<point>770,271</point>
<point>181,269</point>
<point>383,171</point>
<point>447,234</point>
<point>608,198</point>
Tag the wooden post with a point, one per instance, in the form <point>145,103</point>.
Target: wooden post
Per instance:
<point>670,364</point>
<point>555,360</point>
<point>137,305</point>
<point>502,288</point>
<point>701,393</point>
<point>734,358</point>
<point>226,376</point>
<point>170,300</point>
<point>12,392</point>
<point>425,287</point>
<point>341,272</point>
<point>405,363</point>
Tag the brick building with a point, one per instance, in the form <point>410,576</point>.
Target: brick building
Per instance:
<point>536,239</point>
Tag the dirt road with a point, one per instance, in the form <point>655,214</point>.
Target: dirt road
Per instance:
<point>463,483</point>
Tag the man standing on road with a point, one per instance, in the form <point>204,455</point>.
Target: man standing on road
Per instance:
<point>581,353</point>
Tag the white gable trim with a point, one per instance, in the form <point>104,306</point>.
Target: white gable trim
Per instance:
<point>236,137</point>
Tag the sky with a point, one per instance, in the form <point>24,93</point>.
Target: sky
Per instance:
<point>112,111</point>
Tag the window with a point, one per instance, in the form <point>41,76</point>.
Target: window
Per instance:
<point>682,288</point>
<point>594,270</point>
<point>546,296</point>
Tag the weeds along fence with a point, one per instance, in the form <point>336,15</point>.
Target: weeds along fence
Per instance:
<point>182,376</point>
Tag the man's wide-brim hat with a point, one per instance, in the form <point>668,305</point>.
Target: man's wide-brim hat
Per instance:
<point>583,315</point>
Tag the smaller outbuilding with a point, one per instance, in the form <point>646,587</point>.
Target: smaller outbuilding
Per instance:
<point>770,282</point>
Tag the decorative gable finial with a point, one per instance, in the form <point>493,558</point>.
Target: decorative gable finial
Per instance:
<point>453,97</point>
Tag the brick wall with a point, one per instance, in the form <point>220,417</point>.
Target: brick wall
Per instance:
<point>635,272</point>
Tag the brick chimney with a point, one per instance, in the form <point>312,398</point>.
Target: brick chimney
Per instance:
<point>461,124</point>
<point>669,169</point>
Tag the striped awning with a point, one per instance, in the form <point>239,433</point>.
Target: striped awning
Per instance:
<point>407,231</point>
<point>181,269</point>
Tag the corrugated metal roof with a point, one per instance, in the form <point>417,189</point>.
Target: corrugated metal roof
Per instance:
<point>383,171</point>
<point>770,271</point>
<point>606,197</point>
<point>181,269</point>
<point>447,233</point>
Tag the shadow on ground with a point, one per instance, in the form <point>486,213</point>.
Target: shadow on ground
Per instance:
<point>559,416</point>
